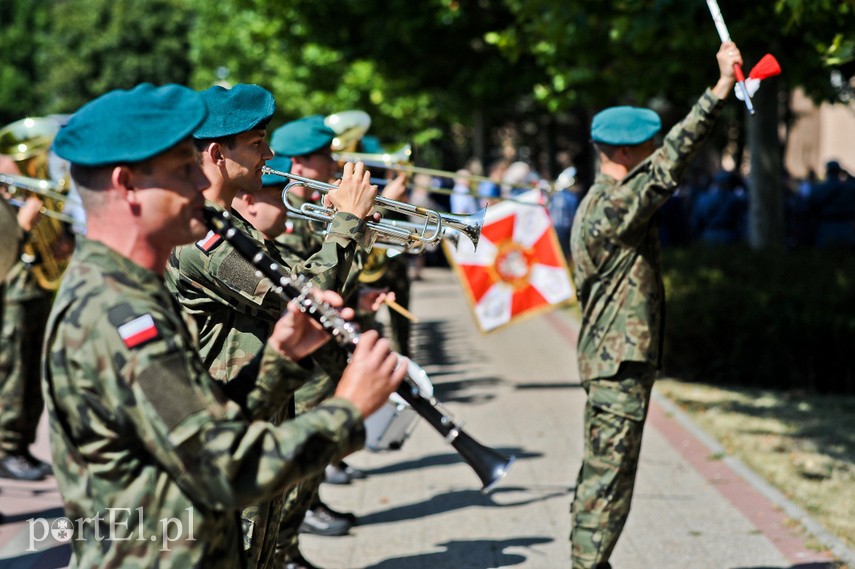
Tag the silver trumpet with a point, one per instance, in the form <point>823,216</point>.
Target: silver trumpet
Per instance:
<point>430,232</point>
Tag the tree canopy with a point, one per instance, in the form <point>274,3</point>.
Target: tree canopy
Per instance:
<point>439,73</point>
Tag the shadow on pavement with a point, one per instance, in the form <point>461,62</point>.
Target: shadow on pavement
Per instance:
<point>52,558</point>
<point>447,502</point>
<point>444,460</point>
<point>457,552</point>
<point>56,512</point>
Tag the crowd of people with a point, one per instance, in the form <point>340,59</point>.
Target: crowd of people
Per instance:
<point>178,379</point>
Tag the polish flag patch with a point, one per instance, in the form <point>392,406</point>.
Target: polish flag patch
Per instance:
<point>138,331</point>
<point>210,242</point>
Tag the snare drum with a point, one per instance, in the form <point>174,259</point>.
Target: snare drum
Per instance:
<point>388,427</point>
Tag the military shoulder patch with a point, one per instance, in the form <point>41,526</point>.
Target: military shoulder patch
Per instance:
<point>210,242</point>
<point>138,331</point>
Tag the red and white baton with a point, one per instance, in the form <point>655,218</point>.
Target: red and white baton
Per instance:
<point>725,37</point>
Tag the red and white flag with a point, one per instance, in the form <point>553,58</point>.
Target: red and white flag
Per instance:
<point>138,331</point>
<point>518,268</point>
<point>767,67</point>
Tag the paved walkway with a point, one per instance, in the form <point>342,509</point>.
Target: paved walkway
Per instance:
<point>517,392</point>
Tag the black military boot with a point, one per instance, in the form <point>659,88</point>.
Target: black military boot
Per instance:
<point>299,562</point>
<point>349,516</point>
<point>17,467</point>
<point>38,463</point>
<point>318,521</point>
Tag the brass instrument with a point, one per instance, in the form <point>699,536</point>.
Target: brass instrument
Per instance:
<point>429,232</point>
<point>45,189</point>
<point>349,127</point>
<point>28,142</point>
<point>399,161</point>
<point>10,238</point>
<point>489,465</point>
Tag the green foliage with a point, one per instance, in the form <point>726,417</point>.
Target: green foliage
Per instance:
<point>763,319</point>
<point>279,47</point>
<point>20,22</point>
<point>94,46</point>
<point>632,51</point>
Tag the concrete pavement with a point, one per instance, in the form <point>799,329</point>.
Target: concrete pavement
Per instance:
<point>516,391</point>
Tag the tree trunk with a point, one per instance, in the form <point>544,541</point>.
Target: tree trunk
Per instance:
<point>766,194</point>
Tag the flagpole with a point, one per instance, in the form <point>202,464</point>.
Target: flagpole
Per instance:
<point>725,37</point>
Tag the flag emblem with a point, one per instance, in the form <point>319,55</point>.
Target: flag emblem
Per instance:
<point>138,331</point>
<point>518,268</point>
<point>209,242</point>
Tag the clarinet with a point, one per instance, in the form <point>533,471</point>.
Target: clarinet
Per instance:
<point>489,465</point>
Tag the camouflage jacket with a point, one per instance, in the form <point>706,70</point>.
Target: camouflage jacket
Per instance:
<point>234,307</point>
<point>616,252</point>
<point>301,239</point>
<point>143,439</point>
<point>301,236</point>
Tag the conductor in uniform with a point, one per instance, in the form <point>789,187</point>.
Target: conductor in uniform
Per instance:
<point>618,276</point>
<point>140,432</point>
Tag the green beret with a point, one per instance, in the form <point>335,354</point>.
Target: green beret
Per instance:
<point>625,126</point>
<point>302,136</point>
<point>232,111</point>
<point>130,126</point>
<point>280,163</point>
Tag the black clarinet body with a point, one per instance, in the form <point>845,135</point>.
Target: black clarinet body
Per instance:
<point>489,465</point>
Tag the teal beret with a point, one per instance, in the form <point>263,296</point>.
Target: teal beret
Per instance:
<point>302,136</point>
<point>281,163</point>
<point>625,126</point>
<point>130,126</point>
<point>235,110</point>
<point>370,145</point>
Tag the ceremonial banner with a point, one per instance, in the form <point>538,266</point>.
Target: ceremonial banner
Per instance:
<point>518,268</point>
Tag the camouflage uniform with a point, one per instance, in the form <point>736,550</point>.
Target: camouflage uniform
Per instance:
<point>301,240</point>
<point>136,421</point>
<point>616,253</point>
<point>236,309</point>
<point>26,308</point>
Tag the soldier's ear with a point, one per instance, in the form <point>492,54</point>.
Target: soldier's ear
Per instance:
<point>122,177</point>
<point>214,151</point>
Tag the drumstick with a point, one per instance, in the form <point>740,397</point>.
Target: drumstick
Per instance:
<point>401,310</point>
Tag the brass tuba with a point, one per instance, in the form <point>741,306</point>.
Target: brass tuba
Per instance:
<point>349,127</point>
<point>28,142</point>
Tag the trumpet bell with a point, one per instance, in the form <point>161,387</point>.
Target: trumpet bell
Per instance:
<point>469,225</point>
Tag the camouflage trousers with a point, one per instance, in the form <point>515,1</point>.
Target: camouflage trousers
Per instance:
<point>299,499</point>
<point>21,401</point>
<point>260,522</point>
<point>614,421</point>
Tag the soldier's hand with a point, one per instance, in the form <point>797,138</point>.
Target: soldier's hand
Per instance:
<point>371,299</point>
<point>728,55</point>
<point>355,194</point>
<point>296,335</point>
<point>397,188</point>
<point>372,375</point>
<point>30,212</point>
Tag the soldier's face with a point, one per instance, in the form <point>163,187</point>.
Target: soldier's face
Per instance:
<point>268,211</point>
<point>168,189</point>
<point>318,165</point>
<point>244,161</point>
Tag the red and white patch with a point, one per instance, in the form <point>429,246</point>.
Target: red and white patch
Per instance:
<point>138,331</point>
<point>209,242</point>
